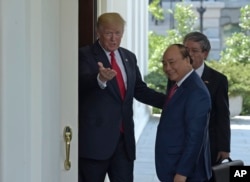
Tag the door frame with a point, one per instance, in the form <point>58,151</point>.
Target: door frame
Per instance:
<point>87,22</point>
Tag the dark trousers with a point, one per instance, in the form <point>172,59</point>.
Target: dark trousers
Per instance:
<point>212,180</point>
<point>214,153</point>
<point>119,168</point>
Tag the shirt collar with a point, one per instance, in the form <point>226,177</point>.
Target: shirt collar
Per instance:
<point>184,78</point>
<point>200,70</point>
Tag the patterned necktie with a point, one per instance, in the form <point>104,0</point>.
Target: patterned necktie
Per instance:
<point>119,77</point>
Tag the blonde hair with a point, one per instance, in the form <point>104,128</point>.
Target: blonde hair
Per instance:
<point>110,19</point>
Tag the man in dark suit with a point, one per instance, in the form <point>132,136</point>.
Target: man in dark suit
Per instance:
<point>109,79</point>
<point>182,143</point>
<point>217,84</point>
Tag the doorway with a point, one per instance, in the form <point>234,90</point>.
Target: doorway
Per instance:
<point>86,22</point>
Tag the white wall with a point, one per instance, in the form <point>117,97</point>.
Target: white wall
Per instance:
<point>30,89</point>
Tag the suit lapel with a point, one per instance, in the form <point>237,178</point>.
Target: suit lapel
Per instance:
<point>179,91</point>
<point>206,77</point>
<point>100,56</point>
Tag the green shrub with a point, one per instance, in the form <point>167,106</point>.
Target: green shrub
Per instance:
<point>235,61</point>
<point>237,75</point>
<point>156,10</point>
<point>238,80</point>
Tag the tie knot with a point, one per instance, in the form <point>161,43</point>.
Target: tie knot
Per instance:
<point>172,90</point>
<point>112,54</point>
<point>175,86</point>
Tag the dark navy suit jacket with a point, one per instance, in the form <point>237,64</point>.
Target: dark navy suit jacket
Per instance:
<point>219,123</point>
<point>182,143</point>
<point>102,110</point>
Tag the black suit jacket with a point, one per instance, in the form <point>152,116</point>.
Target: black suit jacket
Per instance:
<point>219,123</point>
<point>102,110</point>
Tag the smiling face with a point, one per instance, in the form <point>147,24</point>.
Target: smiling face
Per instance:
<point>110,28</point>
<point>176,62</point>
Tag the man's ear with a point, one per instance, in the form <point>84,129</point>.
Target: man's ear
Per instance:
<point>205,54</point>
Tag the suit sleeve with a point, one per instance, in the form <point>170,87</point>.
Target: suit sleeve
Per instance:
<point>88,70</point>
<point>196,130</point>
<point>147,95</point>
<point>222,117</point>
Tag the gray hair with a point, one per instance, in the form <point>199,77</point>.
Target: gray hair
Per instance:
<point>200,38</point>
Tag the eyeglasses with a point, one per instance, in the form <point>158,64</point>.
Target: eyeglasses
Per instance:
<point>194,51</point>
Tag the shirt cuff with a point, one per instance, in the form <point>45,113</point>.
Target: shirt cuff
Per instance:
<point>102,84</point>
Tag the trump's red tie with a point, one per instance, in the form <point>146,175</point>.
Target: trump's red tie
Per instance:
<point>119,77</point>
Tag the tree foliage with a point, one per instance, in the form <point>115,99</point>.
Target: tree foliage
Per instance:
<point>238,45</point>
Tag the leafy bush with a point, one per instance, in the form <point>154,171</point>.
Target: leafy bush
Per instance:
<point>237,74</point>
<point>156,10</point>
<point>238,45</point>
<point>238,80</point>
<point>235,60</point>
